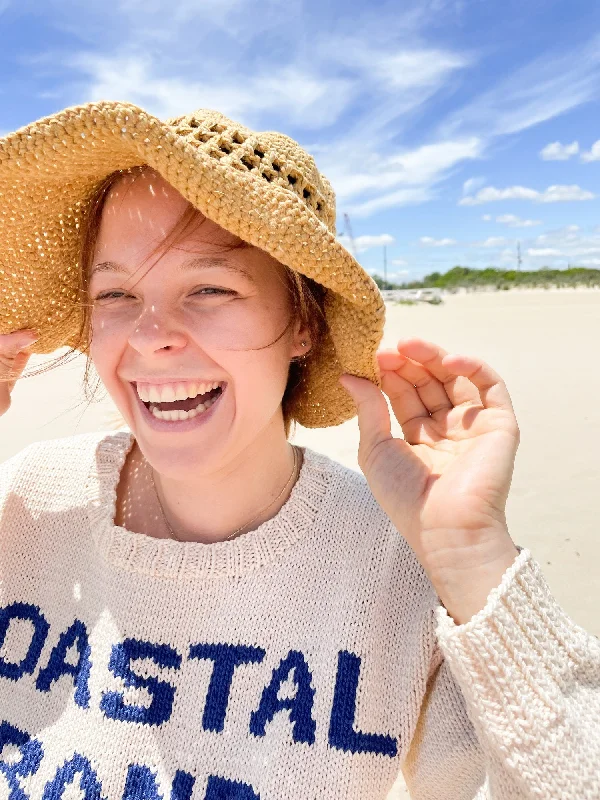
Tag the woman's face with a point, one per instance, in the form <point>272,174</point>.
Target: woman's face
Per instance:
<point>169,324</point>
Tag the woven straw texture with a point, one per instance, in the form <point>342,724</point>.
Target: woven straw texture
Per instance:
<point>260,186</point>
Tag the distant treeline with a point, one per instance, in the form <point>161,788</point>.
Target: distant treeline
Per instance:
<point>494,278</point>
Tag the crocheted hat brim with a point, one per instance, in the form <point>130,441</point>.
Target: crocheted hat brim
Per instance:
<point>50,169</point>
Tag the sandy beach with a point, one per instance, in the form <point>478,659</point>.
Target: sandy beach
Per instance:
<point>545,345</point>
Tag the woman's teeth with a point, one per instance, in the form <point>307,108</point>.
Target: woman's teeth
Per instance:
<point>175,416</point>
<point>169,392</point>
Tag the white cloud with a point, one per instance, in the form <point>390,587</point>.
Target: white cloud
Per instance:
<point>428,241</point>
<point>375,75</point>
<point>401,197</point>
<point>426,162</point>
<point>156,23</point>
<point>593,154</point>
<point>366,242</point>
<point>472,184</point>
<point>490,193</point>
<point>566,194</point>
<point>181,10</point>
<point>416,67</point>
<point>549,85</point>
<point>516,222</point>
<point>543,252</point>
<point>349,93</point>
<point>566,234</point>
<point>354,169</point>
<point>487,217</point>
<point>566,245</point>
<point>555,248</point>
<point>555,151</point>
<point>492,241</point>
<point>302,96</point>
<point>553,194</point>
<point>399,262</point>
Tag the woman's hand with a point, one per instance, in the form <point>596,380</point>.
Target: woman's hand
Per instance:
<point>13,358</point>
<point>445,485</point>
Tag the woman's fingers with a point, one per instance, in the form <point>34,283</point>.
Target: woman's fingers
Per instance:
<point>492,389</point>
<point>373,415</point>
<point>433,371</point>
<point>406,402</point>
<point>414,393</point>
<point>13,358</point>
<point>489,388</point>
<point>417,360</point>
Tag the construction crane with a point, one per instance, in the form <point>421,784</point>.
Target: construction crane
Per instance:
<point>348,232</point>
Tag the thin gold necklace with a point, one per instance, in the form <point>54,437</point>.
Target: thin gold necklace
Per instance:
<point>231,535</point>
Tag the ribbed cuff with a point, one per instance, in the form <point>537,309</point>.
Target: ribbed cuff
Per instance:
<point>516,658</point>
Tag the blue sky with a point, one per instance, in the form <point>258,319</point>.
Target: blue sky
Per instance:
<point>450,129</point>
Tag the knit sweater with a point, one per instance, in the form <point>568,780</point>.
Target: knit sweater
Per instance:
<point>309,658</point>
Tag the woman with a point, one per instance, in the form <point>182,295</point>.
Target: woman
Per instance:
<point>193,606</point>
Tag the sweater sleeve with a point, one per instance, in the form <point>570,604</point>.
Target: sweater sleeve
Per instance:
<point>10,471</point>
<point>513,708</point>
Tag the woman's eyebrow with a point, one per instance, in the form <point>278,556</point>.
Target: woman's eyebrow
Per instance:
<point>198,262</point>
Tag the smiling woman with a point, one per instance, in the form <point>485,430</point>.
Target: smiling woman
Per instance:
<point>208,340</point>
<point>232,329</point>
<point>192,606</point>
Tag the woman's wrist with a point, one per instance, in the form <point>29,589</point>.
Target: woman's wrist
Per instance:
<point>464,579</point>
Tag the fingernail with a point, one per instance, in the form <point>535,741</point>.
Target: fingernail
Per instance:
<point>28,341</point>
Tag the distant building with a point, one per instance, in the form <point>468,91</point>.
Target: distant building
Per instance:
<point>422,295</point>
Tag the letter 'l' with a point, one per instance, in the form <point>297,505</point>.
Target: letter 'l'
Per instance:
<point>343,711</point>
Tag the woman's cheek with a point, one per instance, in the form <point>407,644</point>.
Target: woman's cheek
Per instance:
<point>258,383</point>
<point>106,346</point>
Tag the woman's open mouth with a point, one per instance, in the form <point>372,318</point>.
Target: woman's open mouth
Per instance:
<point>158,406</point>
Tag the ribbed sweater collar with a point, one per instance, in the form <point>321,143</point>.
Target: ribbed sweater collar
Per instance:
<point>185,561</point>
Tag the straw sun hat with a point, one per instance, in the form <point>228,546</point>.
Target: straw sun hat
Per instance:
<point>260,186</point>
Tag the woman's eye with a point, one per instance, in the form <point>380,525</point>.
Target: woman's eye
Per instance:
<point>206,291</point>
<point>214,290</point>
<point>110,295</point>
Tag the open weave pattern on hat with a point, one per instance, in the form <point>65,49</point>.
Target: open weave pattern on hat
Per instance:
<point>260,186</point>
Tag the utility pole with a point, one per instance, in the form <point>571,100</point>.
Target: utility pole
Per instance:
<point>385,263</point>
<point>519,260</point>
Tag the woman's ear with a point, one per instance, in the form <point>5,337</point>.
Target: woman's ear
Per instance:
<point>301,342</point>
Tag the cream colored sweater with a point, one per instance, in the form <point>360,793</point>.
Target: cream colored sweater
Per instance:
<point>307,659</point>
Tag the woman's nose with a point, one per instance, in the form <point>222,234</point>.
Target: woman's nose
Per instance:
<point>154,330</point>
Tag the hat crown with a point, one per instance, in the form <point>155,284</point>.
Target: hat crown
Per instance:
<point>267,155</point>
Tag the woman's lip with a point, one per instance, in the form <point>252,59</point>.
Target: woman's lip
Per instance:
<point>160,381</point>
<point>178,426</point>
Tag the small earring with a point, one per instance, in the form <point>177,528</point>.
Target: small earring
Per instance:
<point>302,357</point>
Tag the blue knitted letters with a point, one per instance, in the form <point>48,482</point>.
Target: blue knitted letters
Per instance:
<point>162,692</point>
<point>300,706</point>
<point>226,658</point>
<point>341,726</point>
